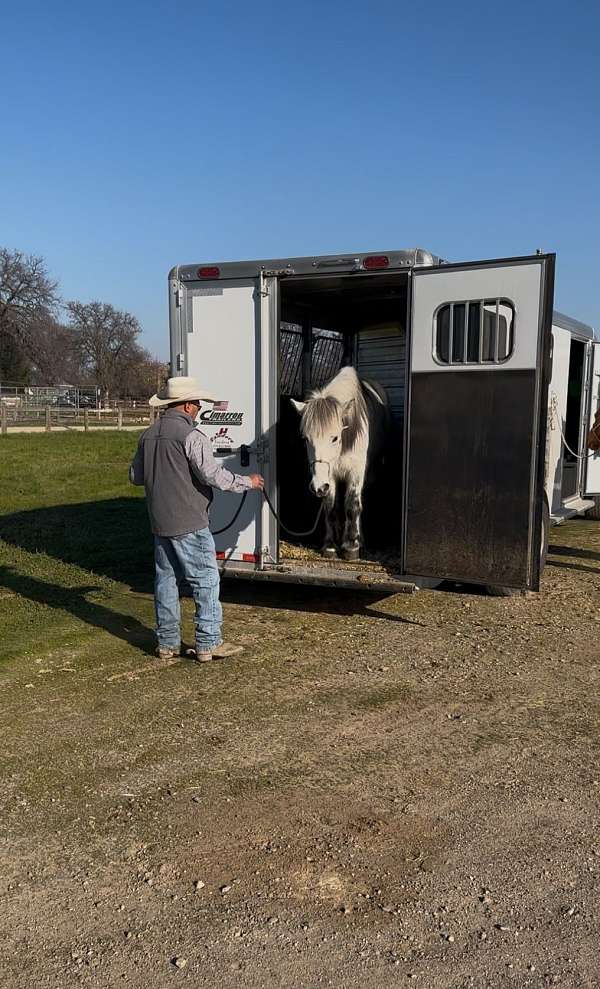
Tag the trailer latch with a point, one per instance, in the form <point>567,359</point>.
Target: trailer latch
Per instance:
<point>244,455</point>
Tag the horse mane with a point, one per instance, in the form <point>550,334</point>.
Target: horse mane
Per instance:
<point>324,406</point>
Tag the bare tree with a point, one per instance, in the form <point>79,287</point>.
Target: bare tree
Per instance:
<point>142,376</point>
<point>99,346</point>
<point>106,338</point>
<point>14,366</point>
<point>26,292</point>
<point>53,353</point>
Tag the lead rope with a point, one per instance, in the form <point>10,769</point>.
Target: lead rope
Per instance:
<point>218,532</point>
<point>578,456</point>
<point>290,532</point>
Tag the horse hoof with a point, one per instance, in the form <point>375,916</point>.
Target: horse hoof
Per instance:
<point>351,553</point>
<point>329,552</point>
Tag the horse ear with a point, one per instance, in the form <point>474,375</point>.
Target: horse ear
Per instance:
<point>299,406</point>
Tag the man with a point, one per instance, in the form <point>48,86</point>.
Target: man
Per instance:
<point>175,463</point>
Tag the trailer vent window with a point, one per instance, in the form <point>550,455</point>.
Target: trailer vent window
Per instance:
<point>327,353</point>
<point>327,356</point>
<point>290,359</point>
<point>480,331</point>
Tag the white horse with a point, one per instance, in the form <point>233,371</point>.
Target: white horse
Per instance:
<point>344,426</point>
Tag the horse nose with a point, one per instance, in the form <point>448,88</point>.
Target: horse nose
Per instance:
<point>322,490</point>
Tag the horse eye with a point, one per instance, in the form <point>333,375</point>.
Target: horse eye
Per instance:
<point>335,439</point>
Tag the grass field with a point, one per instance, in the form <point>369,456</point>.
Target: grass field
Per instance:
<point>74,536</point>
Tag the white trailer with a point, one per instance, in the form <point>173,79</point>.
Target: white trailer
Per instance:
<point>490,395</point>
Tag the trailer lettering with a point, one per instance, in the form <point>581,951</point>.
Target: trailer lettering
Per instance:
<point>212,418</point>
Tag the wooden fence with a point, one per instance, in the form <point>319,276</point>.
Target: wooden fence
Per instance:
<point>48,417</point>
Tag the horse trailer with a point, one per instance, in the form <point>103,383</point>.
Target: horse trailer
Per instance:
<point>490,394</point>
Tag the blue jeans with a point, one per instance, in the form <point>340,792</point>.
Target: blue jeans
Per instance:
<point>192,558</point>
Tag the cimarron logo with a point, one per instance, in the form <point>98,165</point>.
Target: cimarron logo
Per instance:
<point>213,418</point>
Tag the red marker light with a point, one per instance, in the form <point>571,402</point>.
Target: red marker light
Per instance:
<point>220,555</point>
<point>249,557</point>
<point>376,261</point>
<point>209,272</point>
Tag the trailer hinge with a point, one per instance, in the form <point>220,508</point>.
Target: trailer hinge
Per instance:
<point>278,272</point>
<point>263,557</point>
<point>178,297</point>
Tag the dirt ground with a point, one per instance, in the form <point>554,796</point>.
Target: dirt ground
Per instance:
<point>376,793</point>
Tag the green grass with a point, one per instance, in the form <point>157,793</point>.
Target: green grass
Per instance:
<point>74,541</point>
<point>65,468</point>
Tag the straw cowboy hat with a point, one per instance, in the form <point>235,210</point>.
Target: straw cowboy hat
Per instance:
<point>181,389</point>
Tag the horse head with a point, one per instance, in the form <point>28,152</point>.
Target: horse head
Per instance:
<point>323,421</point>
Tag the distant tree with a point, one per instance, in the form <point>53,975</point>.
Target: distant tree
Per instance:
<point>27,294</point>
<point>26,291</point>
<point>142,376</point>
<point>98,348</point>
<point>53,353</point>
<point>106,341</point>
<point>14,366</point>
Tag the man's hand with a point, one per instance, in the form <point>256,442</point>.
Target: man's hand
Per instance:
<point>257,481</point>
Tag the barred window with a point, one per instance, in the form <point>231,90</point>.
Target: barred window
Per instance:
<point>480,331</point>
<point>327,352</point>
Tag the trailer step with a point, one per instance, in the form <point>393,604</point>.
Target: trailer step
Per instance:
<point>322,577</point>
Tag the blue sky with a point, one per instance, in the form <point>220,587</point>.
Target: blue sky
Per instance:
<point>140,135</point>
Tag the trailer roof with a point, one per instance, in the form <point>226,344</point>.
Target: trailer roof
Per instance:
<point>349,261</point>
<point>572,325</point>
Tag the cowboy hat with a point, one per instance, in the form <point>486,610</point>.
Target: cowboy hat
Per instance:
<point>181,389</point>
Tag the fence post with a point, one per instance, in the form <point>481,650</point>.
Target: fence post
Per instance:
<point>48,419</point>
<point>4,419</point>
<point>120,419</point>
<point>86,419</point>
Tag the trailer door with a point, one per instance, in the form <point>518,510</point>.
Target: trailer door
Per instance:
<point>479,352</point>
<point>231,350</point>
<point>592,460</point>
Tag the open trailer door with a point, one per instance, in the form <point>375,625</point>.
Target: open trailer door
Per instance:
<point>231,348</point>
<point>592,461</point>
<point>480,354</point>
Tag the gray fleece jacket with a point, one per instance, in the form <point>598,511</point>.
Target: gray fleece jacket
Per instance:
<point>175,463</point>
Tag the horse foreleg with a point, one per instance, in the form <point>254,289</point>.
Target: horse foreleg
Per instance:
<point>329,544</point>
<point>352,520</point>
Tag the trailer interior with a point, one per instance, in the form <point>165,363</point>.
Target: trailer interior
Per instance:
<point>329,321</point>
<point>573,417</point>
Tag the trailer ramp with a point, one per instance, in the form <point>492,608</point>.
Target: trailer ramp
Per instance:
<point>357,579</point>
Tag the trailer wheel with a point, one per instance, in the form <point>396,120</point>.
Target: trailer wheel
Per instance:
<point>508,592</point>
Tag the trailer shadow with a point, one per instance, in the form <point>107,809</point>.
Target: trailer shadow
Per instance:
<point>316,600</point>
<point>574,566</point>
<point>74,601</point>
<point>573,551</point>
<point>112,538</point>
